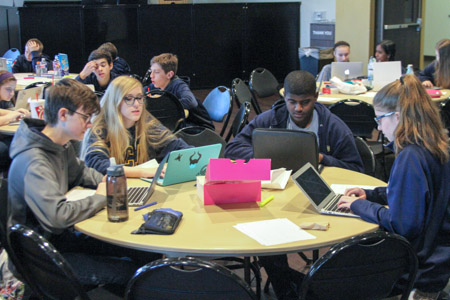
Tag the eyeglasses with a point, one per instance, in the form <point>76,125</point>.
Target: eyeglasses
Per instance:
<point>129,100</point>
<point>377,119</point>
<point>86,118</point>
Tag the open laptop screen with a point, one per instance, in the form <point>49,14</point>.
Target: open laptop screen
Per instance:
<point>313,185</point>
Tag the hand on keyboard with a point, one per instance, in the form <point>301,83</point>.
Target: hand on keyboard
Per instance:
<point>345,202</point>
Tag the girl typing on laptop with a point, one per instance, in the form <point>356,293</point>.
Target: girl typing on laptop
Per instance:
<point>125,130</point>
<point>418,193</point>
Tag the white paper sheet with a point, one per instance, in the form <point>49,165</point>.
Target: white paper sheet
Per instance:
<point>78,194</point>
<point>340,188</point>
<point>323,99</point>
<point>149,164</point>
<point>274,232</point>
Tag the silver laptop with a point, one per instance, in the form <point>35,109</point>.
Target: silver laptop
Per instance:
<point>318,192</point>
<point>385,73</point>
<point>24,95</point>
<point>346,70</point>
<point>138,196</point>
<point>3,64</point>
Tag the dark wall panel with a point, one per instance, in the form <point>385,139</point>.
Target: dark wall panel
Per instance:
<point>59,29</point>
<point>116,24</point>
<point>166,28</point>
<point>273,37</point>
<point>218,41</point>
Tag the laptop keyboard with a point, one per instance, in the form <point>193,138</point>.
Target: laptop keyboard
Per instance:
<point>136,195</point>
<point>332,206</point>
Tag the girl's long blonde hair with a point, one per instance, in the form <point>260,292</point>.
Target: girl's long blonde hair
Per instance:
<point>442,74</point>
<point>420,122</point>
<point>109,130</point>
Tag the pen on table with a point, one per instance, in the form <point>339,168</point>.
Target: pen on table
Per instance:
<point>263,203</point>
<point>144,206</point>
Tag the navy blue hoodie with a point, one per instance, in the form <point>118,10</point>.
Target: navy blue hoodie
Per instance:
<point>336,141</point>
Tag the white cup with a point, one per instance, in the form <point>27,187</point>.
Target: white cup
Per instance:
<point>37,108</point>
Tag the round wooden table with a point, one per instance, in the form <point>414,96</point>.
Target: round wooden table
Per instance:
<point>208,230</point>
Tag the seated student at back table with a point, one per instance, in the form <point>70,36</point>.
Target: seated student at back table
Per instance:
<point>7,88</point>
<point>124,129</point>
<point>341,52</point>
<point>385,51</point>
<point>164,77</point>
<point>26,63</point>
<point>299,110</point>
<point>438,72</point>
<point>120,66</point>
<point>418,193</point>
<point>98,70</point>
<point>45,167</point>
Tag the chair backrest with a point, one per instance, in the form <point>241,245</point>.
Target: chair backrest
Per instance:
<point>240,120</point>
<point>263,83</point>
<point>12,53</point>
<point>200,136</point>
<point>166,108</point>
<point>367,156</point>
<point>186,278</point>
<point>218,103</point>
<point>445,113</point>
<point>364,267</point>
<point>43,267</point>
<point>3,211</point>
<point>358,115</point>
<point>241,93</point>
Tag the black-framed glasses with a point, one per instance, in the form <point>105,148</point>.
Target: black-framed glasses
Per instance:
<point>129,100</point>
<point>86,118</point>
<point>377,119</point>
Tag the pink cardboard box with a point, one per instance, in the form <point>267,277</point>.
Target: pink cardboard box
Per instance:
<point>234,182</point>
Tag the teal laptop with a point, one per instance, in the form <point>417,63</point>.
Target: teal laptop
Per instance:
<point>186,164</point>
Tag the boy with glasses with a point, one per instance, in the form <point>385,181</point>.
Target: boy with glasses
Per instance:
<point>98,70</point>
<point>45,167</point>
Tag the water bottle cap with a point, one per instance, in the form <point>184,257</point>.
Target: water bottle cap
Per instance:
<point>116,171</point>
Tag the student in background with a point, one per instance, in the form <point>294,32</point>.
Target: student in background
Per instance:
<point>418,193</point>
<point>7,88</point>
<point>299,110</point>
<point>26,63</point>
<point>98,70</point>
<point>125,130</point>
<point>45,167</point>
<point>341,52</point>
<point>164,77</point>
<point>439,68</point>
<point>385,51</point>
<point>120,66</point>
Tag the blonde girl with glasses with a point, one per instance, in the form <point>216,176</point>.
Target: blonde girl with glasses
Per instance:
<point>124,129</point>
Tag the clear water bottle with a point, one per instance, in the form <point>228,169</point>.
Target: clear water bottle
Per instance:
<point>44,69</point>
<point>56,67</point>
<point>409,69</point>
<point>38,68</point>
<point>370,71</point>
<point>116,193</point>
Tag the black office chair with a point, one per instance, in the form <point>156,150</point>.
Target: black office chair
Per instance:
<point>42,266</point>
<point>367,156</point>
<point>240,120</point>
<point>186,278</point>
<point>219,104</point>
<point>3,211</point>
<point>166,108</point>
<point>241,93</point>
<point>445,113</point>
<point>364,267</point>
<point>263,83</point>
<point>200,136</point>
<point>358,115</point>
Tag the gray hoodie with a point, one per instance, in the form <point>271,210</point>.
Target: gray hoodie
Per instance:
<point>40,175</point>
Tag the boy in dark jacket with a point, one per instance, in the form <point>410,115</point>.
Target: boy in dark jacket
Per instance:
<point>300,111</point>
<point>26,63</point>
<point>120,66</point>
<point>164,69</point>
